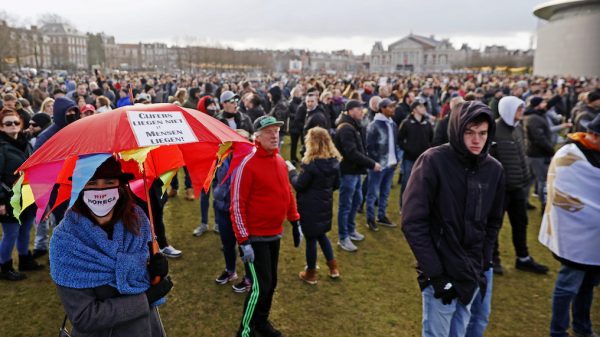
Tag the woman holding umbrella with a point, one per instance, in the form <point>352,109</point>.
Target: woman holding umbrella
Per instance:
<point>14,150</point>
<point>98,260</point>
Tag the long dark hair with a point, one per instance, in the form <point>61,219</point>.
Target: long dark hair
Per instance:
<point>124,210</point>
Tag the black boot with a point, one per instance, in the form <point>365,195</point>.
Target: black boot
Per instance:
<point>7,272</point>
<point>27,263</point>
<point>39,253</point>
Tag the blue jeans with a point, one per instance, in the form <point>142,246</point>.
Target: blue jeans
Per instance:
<point>187,180</point>
<point>13,232</point>
<point>574,290</point>
<point>480,310</point>
<point>41,233</point>
<point>228,240</point>
<point>539,166</point>
<point>311,250</point>
<point>204,204</point>
<point>406,169</point>
<point>349,202</point>
<point>380,184</point>
<point>444,320</point>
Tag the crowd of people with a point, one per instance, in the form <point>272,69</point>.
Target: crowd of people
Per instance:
<point>466,148</point>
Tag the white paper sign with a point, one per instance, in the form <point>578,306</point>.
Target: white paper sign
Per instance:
<point>160,128</point>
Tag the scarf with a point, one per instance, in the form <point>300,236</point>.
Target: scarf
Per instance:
<point>82,256</point>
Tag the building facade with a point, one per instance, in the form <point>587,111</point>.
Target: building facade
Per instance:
<point>413,53</point>
<point>68,47</point>
<point>568,38</point>
<point>25,47</point>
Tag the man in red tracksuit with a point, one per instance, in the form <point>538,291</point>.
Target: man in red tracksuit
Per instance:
<point>261,199</point>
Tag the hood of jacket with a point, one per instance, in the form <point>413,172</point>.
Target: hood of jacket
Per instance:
<point>458,124</point>
<point>507,107</point>
<point>345,118</point>
<point>61,105</point>
<point>323,167</point>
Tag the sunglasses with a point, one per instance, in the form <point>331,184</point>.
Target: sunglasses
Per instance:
<point>234,101</point>
<point>9,123</point>
<point>33,124</point>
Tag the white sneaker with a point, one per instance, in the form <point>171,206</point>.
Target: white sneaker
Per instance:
<point>356,236</point>
<point>347,245</point>
<point>201,229</point>
<point>216,228</point>
<point>169,251</point>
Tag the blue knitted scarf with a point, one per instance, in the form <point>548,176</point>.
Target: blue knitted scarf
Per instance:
<point>82,256</point>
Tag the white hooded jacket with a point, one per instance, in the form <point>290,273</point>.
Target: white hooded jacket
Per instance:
<point>507,107</point>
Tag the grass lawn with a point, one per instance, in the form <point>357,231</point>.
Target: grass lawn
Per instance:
<point>377,294</point>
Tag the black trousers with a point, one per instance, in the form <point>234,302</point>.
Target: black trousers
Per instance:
<point>515,204</point>
<point>264,281</point>
<point>157,202</point>
<point>294,138</point>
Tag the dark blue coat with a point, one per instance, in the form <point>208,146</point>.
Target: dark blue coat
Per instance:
<point>221,187</point>
<point>61,105</point>
<point>314,187</point>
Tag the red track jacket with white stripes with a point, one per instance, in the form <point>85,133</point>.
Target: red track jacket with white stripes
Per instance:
<point>261,196</point>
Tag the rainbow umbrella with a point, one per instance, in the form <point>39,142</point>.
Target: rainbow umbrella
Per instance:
<point>151,141</point>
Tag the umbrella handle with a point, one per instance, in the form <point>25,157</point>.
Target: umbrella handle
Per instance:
<point>155,248</point>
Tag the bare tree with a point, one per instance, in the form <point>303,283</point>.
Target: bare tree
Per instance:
<point>51,18</point>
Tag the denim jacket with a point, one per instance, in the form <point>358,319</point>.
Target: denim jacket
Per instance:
<point>378,137</point>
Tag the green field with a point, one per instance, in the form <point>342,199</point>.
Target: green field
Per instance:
<point>377,294</point>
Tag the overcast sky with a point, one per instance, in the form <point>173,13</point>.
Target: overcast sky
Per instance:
<point>308,24</point>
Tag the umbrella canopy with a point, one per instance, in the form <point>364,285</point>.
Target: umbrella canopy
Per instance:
<point>150,140</point>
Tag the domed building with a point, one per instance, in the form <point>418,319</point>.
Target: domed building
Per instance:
<point>568,38</point>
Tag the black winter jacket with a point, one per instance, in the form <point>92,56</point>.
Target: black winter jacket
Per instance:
<point>414,137</point>
<point>440,134</point>
<point>281,112</point>
<point>453,207</point>
<point>314,187</point>
<point>349,141</point>
<point>13,153</point>
<point>241,120</point>
<point>539,136</point>
<point>317,117</point>
<point>293,126</point>
<point>509,149</point>
<point>255,112</point>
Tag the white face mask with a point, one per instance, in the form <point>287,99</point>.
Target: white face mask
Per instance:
<point>101,202</point>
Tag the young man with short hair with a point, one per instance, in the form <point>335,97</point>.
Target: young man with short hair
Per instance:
<point>452,213</point>
<point>383,148</point>
<point>355,162</point>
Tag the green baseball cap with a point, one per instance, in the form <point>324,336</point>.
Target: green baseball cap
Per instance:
<point>264,121</point>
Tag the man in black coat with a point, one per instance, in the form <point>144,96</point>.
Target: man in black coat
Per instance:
<point>509,149</point>
<point>403,109</point>
<point>540,148</point>
<point>414,137</point>
<point>452,213</point>
<point>231,116</point>
<point>315,115</point>
<point>355,162</point>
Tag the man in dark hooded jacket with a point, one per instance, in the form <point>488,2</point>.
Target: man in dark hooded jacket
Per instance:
<point>65,112</point>
<point>453,210</point>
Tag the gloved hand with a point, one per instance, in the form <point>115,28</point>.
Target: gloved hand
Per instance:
<point>159,290</point>
<point>158,265</point>
<point>247,253</point>
<point>443,289</point>
<point>297,233</point>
